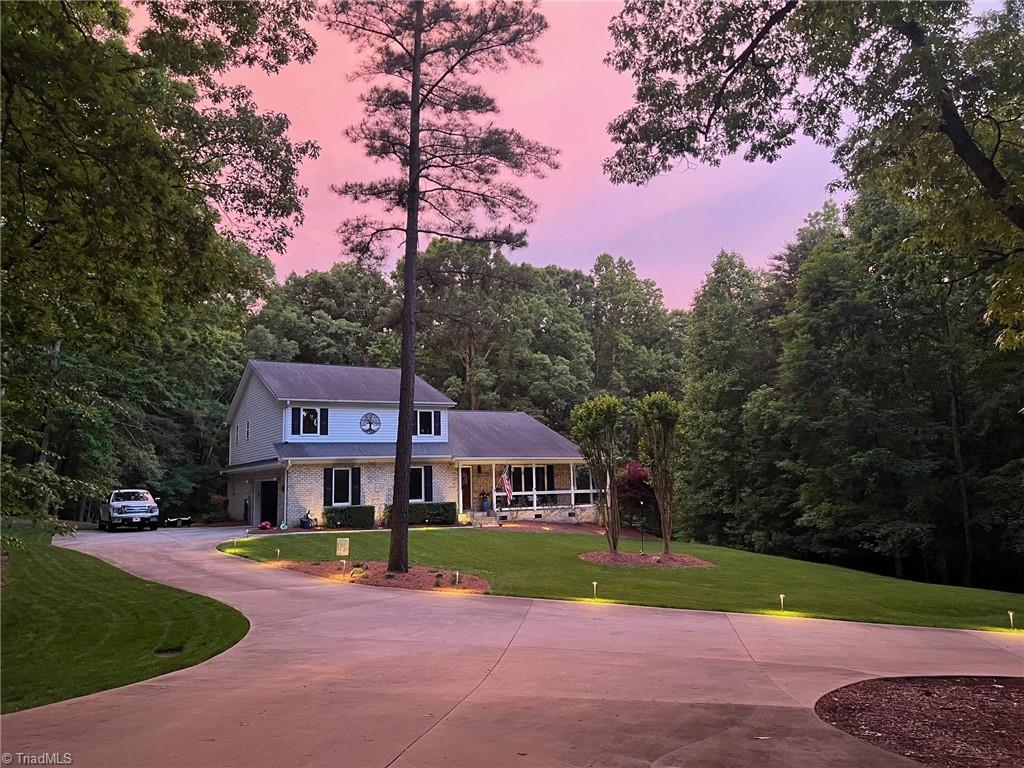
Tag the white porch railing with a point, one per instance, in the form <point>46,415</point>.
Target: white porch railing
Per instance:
<point>542,499</point>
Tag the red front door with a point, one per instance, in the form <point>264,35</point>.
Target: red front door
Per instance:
<point>467,495</point>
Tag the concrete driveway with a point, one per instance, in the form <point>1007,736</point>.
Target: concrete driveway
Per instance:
<point>342,675</point>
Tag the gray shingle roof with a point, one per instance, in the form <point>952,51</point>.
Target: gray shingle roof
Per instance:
<point>359,450</point>
<point>340,383</point>
<point>472,435</point>
<point>505,435</point>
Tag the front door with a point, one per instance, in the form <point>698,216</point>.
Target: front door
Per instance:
<point>467,494</point>
<point>268,501</point>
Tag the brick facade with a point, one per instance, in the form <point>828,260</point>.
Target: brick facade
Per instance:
<point>305,491</point>
<point>306,486</point>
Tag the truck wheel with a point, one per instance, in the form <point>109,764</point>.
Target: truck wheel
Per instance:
<point>101,525</point>
<point>154,526</point>
<point>111,526</point>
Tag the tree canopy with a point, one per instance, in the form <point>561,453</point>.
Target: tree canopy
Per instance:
<point>917,98</point>
<point>138,196</point>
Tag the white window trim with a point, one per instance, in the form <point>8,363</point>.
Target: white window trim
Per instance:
<point>302,421</point>
<point>533,468</point>
<point>334,487</point>
<point>423,484</point>
<point>433,420</point>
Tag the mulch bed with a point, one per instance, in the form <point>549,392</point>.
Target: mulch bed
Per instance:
<point>946,722</point>
<point>646,559</point>
<point>376,574</point>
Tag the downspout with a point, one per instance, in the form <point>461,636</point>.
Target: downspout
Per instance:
<point>287,466</point>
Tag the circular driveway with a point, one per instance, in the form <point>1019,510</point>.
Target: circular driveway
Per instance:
<point>335,674</point>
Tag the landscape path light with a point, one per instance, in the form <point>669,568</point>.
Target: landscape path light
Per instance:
<point>595,589</point>
<point>782,602</point>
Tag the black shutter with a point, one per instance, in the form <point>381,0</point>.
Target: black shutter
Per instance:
<point>357,497</point>
<point>551,477</point>
<point>323,421</point>
<point>415,423</point>
<point>437,423</point>
<point>428,483</point>
<point>296,421</point>
<point>328,486</point>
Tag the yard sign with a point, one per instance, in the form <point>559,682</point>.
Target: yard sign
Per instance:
<point>342,548</point>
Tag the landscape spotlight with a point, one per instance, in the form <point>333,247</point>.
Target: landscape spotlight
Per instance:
<point>595,589</point>
<point>782,602</point>
<point>279,554</point>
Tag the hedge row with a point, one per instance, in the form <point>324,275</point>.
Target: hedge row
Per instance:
<point>427,513</point>
<point>356,516</point>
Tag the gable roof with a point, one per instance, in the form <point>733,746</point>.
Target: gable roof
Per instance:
<point>340,383</point>
<point>505,435</point>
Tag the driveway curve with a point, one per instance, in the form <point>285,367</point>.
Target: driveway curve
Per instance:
<point>344,675</point>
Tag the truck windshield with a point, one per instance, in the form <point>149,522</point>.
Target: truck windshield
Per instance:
<point>131,496</point>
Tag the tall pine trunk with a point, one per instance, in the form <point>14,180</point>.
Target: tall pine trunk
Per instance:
<point>398,556</point>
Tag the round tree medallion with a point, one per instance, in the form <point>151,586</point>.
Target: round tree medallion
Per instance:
<point>370,423</point>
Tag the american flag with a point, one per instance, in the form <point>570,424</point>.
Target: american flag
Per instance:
<point>506,480</point>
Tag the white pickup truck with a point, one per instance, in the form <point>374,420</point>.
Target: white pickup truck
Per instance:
<point>130,506</point>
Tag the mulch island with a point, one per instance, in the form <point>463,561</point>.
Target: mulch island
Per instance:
<point>948,722</point>
<point>376,574</point>
<point>646,559</point>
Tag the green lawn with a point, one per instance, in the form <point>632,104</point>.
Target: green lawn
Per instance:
<point>74,625</point>
<point>546,565</point>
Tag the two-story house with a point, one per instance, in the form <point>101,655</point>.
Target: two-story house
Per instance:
<point>306,437</point>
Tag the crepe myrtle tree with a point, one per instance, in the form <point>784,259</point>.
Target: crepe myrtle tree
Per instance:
<point>920,98</point>
<point>658,416</point>
<point>453,166</point>
<point>594,426</point>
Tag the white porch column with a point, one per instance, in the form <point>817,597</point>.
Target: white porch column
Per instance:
<point>458,473</point>
<point>533,470</point>
<point>572,484</point>
<point>494,494</point>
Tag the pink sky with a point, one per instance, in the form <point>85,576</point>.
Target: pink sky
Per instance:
<point>671,229</point>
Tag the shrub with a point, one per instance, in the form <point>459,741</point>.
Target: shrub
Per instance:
<point>426,513</point>
<point>359,516</point>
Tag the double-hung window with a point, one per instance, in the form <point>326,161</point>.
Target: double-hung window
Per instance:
<point>427,423</point>
<point>421,484</point>
<point>309,421</point>
<point>342,487</point>
<point>416,484</point>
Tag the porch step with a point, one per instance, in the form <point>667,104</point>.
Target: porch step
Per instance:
<point>481,520</point>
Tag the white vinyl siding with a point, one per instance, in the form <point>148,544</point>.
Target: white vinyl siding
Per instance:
<point>343,425</point>
<point>260,412</point>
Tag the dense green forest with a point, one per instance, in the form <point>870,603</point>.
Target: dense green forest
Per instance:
<point>849,403</point>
